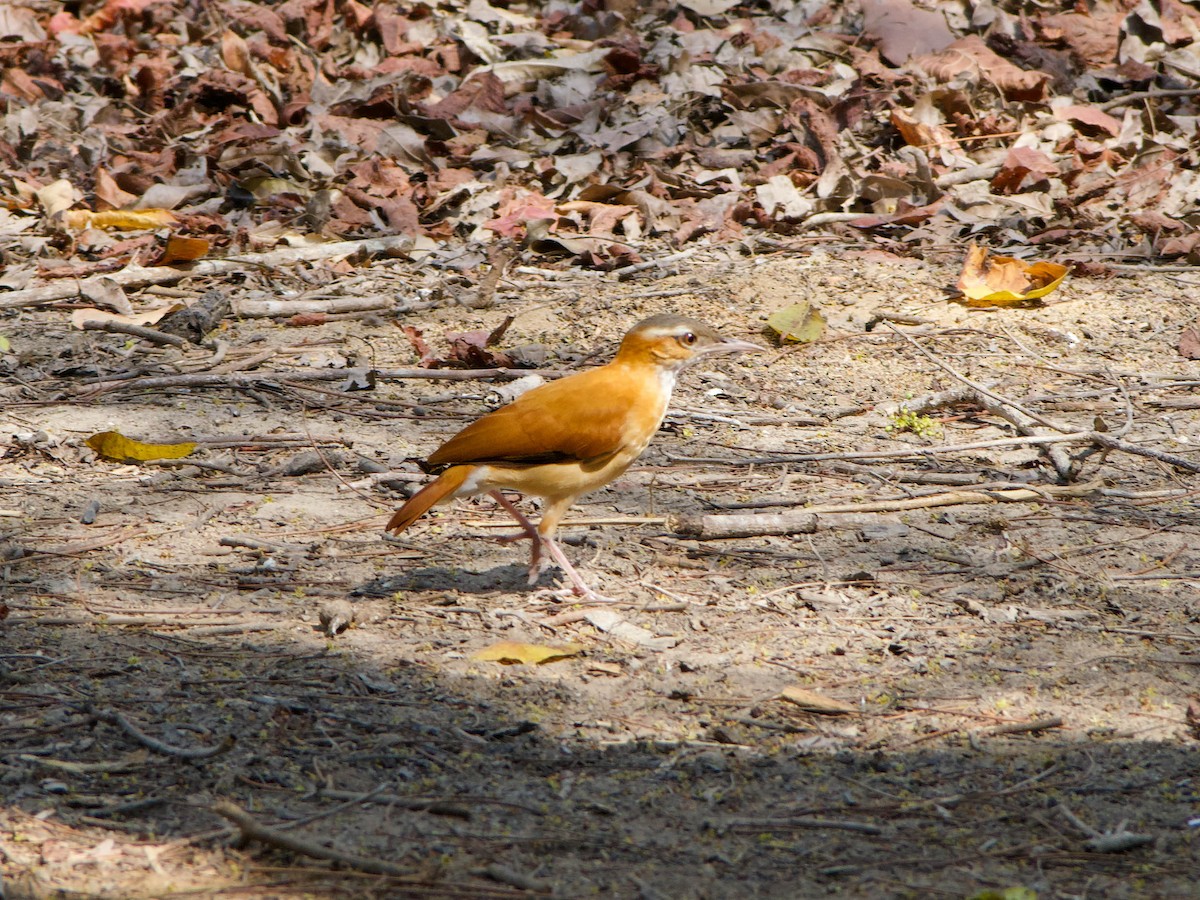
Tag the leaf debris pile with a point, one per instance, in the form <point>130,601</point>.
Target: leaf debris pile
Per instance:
<point>585,130</point>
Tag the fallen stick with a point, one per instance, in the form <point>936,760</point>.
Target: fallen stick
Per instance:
<point>1106,440</point>
<point>1023,419</point>
<point>152,335</point>
<point>1026,727</point>
<point>720,527</point>
<point>252,829</point>
<point>80,546</point>
<point>257,379</point>
<point>804,822</point>
<point>193,753</point>
<point>135,276</point>
<point>113,620</point>
<point>1075,437</point>
<point>270,309</point>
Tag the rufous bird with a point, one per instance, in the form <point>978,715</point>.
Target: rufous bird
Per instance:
<point>569,436</point>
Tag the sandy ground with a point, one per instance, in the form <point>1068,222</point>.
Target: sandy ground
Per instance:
<point>1012,671</point>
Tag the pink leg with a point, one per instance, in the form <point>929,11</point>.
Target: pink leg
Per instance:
<point>529,530</point>
<point>579,586</point>
<point>538,563</point>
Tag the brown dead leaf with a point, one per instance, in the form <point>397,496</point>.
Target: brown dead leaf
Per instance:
<point>101,20</point>
<point>1181,245</point>
<point>918,134</point>
<point>1189,342</point>
<point>810,701</point>
<point>602,218</point>
<point>20,23</point>
<point>903,30</point>
<point>235,54</point>
<point>905,214</point>
<point>417,340</point>
<point>1089,120</point>
<point>1024,169</point>
<point>18,83</point>
<point>109,193</point>
<point>1093,35</point>
<point>519,213</point>
<point>472,349</point>
<point>511,653</point>
<point>56,197</point>
<point>970,55</point>
<point>115,446</point>
<point>1004,281</point>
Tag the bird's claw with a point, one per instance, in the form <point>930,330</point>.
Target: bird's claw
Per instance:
<point>574,595</point>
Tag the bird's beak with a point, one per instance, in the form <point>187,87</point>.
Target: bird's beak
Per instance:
<point>731,345</point>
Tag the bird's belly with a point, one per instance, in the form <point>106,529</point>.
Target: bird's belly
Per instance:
<point>549,480</point>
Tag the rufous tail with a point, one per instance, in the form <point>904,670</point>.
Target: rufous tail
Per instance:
<point>421,502</point>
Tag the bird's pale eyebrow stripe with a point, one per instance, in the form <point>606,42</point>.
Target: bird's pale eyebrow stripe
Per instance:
<point>667,331</point>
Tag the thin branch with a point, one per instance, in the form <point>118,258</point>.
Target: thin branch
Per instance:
<point>979,388</point>
<point>258,379</point>
<point>252,829</point>
<point>1027,727</point>
<point>113,717</point>
<point>721,527</point>
<point>135,276</point>
<point>152,335</point>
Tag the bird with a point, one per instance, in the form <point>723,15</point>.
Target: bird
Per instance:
<point>567,437</point>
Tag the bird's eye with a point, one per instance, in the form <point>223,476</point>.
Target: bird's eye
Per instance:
<point>688,339</point>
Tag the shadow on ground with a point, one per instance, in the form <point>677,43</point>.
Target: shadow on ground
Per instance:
<point>471,794</point>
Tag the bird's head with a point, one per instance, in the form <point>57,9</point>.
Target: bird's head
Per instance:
<point>673,342</point>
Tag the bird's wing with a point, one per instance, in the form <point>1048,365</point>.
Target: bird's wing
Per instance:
<point>580,417</point>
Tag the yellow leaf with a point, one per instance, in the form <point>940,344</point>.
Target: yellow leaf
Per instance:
<point>1004,281</point>
<point>514,652</point>
<point>120,219</point>
<point>800,323</point>
<point>1012,893</point>
<point>810,701</point>
<point>115,446</point>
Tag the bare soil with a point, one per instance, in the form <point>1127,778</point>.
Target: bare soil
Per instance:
<point>1019,673</point>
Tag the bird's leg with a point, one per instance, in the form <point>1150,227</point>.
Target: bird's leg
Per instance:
<point>543,536</point>
<point>528,530</point>
<point>551,515</point>
<point>579,586</point>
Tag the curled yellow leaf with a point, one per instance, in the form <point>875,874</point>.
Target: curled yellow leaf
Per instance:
<point>115,446</point>
<point>120,219</point>
<point>516,652</point>
<point>988,280</point>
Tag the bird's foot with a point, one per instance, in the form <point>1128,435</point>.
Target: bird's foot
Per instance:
<point>537,563</point>
<point>579,592</point>
<point>572,595</point>
<point>511,538</point>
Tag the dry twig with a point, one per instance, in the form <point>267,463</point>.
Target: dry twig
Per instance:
<point>152,335</point>
<point>252,829</point>
<point>113,717</point>
<point>134,276</point>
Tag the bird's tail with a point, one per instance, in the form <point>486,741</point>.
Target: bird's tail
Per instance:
<point>421,502</point>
